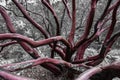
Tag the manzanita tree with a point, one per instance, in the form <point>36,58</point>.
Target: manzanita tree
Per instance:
<point>66,47</point>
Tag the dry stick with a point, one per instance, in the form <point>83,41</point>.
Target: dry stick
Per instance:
<point>50,24</point>
<point>72,31</point>
<point>54,44</point>
<point>66,7</point>
<point>82,15</point>
<point>62,18</point>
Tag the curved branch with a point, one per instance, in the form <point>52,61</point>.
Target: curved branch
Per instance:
<point>8,76</point>
<point>40,61</point>
<point>54,14</point>
<point>7,19</point>
<point>73,27</point>
<point>98,23</point>
<point>10,27</point>
<point>26,15</point>
<point>32,52</point>
<point>111,29</point>
<point>19,37</point>
<point>97,59</point>
<point>3,45</point>
<point>88,24</point>
<point>30,63</point>
<point>39,27</point>
<point>89,21</point>
<point>82,48</point>
<point>66,7</point>
<point>112,40</point>
<point>8,43</point>
<point>87,74</point>
<point>112,7</point>
<point>91,72</point>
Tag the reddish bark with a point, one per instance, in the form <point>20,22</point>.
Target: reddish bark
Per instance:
<point>72,32</point>
<point>67,47</point>
<point>89,73</point>
<point>8,76</point>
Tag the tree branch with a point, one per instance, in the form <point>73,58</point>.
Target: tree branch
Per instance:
<point>27,64</point>
<point>54,14</point>
<point>88,24</point>
<point>8,76</point>
<point>111,29</point>
<point>10,27</point>
<point>90,19</point>
<point>26,15</point>
<point>66,7</point>
<point>91,72</point>
<point>19,37</point>
<point>72,32</point>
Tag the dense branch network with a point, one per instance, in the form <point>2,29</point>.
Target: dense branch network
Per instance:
<point>68,46</point>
